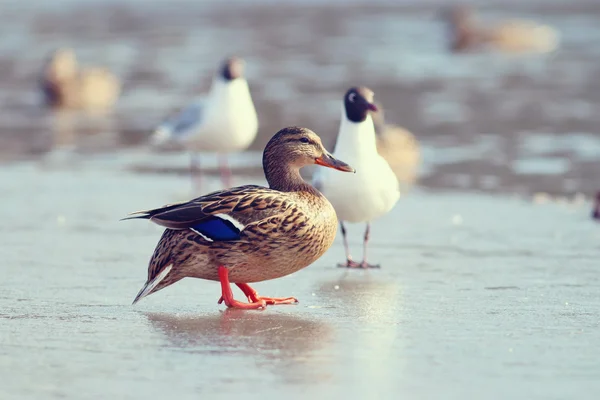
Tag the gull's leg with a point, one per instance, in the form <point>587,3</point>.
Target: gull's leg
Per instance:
<point>195,172</point>
<point>225,170</point>
<point>349,263</point>
<point>364,263</point>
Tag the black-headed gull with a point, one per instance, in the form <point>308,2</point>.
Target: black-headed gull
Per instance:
<point>224,121</point>
<point>373,190</point>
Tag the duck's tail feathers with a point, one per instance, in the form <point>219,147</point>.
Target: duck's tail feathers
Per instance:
<point>138,215</point>
<point>151,286</point>
<point>148,214</point>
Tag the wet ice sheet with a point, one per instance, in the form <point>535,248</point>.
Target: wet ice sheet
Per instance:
<point>478,296</point>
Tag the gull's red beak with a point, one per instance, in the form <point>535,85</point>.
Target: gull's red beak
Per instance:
<point>329,161</point>
<point>372,107</point>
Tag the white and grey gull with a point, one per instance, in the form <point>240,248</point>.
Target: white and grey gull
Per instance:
<point>223,122</point>
<point>373,190</point>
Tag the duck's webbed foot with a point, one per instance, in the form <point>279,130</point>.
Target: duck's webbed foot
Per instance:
<point>232,303</point>
<point>253,296</point>
<point>227,294</point>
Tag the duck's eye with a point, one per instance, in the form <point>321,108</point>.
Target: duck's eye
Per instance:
<point>304,140</point>
<point>351,97</point>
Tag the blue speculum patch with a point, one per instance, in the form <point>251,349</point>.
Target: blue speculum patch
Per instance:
<point>217,229</point>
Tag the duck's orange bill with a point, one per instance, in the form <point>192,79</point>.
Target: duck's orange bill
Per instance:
<point>327,160</point>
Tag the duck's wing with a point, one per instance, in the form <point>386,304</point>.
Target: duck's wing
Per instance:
<point>180,125</point>
<point>222,215</point>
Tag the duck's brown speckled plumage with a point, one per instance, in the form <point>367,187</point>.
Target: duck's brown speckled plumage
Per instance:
<point>285,227</point>
<point>283,233</point>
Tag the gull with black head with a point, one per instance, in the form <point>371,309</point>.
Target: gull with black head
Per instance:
<point>373,190</point>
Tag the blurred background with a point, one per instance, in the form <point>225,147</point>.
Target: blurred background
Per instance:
<point>486,120</point>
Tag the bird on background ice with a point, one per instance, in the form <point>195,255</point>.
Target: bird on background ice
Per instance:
<point>398,146</point>
<point>223,122</point>
<point>466,33</point>
<point>249,233</point>
<point>67,85</point>
<point>596,210</point>
<point>373,190</point>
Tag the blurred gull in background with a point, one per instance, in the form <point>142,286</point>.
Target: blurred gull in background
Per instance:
<point>224,121</point>
<point>466,33</point>
<point>373,190</point>
<point>65,84</point>
<point>398,147</point>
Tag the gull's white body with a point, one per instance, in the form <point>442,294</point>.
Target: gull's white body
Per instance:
<point>224,121</point>
<point>369,193</point>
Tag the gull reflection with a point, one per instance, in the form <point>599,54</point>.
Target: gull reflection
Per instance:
<point>375,307</point>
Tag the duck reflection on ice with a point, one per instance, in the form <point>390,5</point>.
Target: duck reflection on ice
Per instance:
<point>293,347</point>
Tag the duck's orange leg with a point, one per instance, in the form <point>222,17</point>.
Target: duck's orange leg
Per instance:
<point>227,294</point>
<point>253,296</point>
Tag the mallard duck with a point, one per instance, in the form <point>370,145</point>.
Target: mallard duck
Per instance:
<point>508,36</point>
<point>398,147</point>
<point>65,85</point>
<point>596,211</point>
<point>224,121</point>
<point>373,190</point>
<point>249,233</point>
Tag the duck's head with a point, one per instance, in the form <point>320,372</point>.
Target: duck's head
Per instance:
<point>358,101</point>
<point>291,149</point>
<point>232,68</point>
<point>61,65</point>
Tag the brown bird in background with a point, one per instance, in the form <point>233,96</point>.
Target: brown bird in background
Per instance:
<point>467,33</point>
<point>398,147</point>
<point>65,84</point>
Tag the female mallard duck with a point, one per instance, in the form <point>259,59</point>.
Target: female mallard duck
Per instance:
<point>596,211</point>
<point>65,85</point>
<point>249,233</point>
<point>466,33</point>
